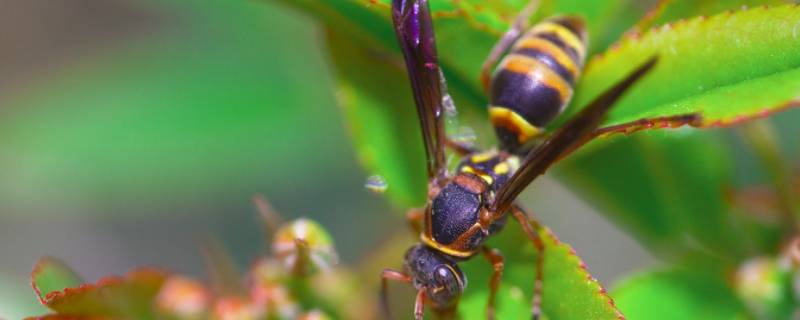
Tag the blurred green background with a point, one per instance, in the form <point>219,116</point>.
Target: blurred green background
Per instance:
<point>130,129</point>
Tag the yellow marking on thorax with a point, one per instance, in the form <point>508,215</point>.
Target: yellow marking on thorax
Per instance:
<point>482,157</point>
<point>545,46</point>
<point>445,249</point>
<point>505,117</point>
<point>540,72</point>
<point>501,168</point>
<point>482,175</point>
<point>566,35</point>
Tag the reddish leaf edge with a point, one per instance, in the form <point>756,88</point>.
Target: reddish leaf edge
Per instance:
<point>136,274</point>
<point>583,268</point>
<point>37,269</point>
<point>64,317</point>
<point>669,122</point>
<point>694,120</point>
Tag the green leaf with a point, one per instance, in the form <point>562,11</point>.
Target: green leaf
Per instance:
<point>758,42</point>
<point>682,9</point>
<point>569,291</point>
<point>691,293</point>
<point>668,190</point>
<point>130,296</point>
<point>51,274</point>
<point>374,90</point>
<point>727,68</point>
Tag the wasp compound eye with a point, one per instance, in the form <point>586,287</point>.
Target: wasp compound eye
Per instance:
<point>446,285</point>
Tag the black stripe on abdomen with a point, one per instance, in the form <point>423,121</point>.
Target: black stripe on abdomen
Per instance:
<point>548,61</point>
<point>553,38</point>
<point>533,100</point>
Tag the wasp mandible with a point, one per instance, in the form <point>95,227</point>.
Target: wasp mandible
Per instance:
<point>530,86</point>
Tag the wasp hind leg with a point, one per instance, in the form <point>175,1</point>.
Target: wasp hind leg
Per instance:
<point>530,226</point>
<point>508,38</point>
<point>496,259</point>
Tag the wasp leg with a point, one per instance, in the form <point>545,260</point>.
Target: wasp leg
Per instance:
<point>389,274</point>
<point>497,261</point>
<point>460,148</point>
<point>530,226</point>
<point>419,305</point>
<point>519,25</point>
<point>415,217</point>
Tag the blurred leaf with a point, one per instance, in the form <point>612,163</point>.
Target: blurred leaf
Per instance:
<point>131,296</point>
<point>51,274</point>
<point>172,115</point>
<point>692,293</point>
<point>711,66</point>
<point>569,291</point>
<point>377,110</point>
<point>224,276</point>
<point>668,191</point>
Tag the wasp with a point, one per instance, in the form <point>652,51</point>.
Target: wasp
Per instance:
<point>530,86</point>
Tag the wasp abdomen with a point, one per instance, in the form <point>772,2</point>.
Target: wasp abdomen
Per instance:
<point>534,82</point>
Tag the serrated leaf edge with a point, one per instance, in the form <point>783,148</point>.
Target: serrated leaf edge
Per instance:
<point>37,268</point>
<point>628,38</point>
<point>584,271</point>
<point>146,273</point>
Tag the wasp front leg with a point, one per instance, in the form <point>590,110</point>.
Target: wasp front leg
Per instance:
<point>530,226</point>
<point>497,261</point>
<point>394,275</point>
<point>508,38</point>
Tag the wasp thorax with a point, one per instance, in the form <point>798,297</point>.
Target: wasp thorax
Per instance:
<point>491,166</point>
<point>454,211</point>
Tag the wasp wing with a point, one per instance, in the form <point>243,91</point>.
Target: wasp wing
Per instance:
<point>414,29</point>
<point>575,132</point>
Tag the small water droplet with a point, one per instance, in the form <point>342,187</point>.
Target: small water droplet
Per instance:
<point>516,293</point>
<point>466,136</point>
<point>449,106</point>
<point>376,184</point>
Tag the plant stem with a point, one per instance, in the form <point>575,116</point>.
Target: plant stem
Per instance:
<point>763,140</point>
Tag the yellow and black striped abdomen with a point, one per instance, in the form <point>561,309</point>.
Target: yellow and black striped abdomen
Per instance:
<point>534,82</point>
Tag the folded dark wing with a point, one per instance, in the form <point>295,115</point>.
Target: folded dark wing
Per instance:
<point>573,133</point>
<point>414,29</point>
